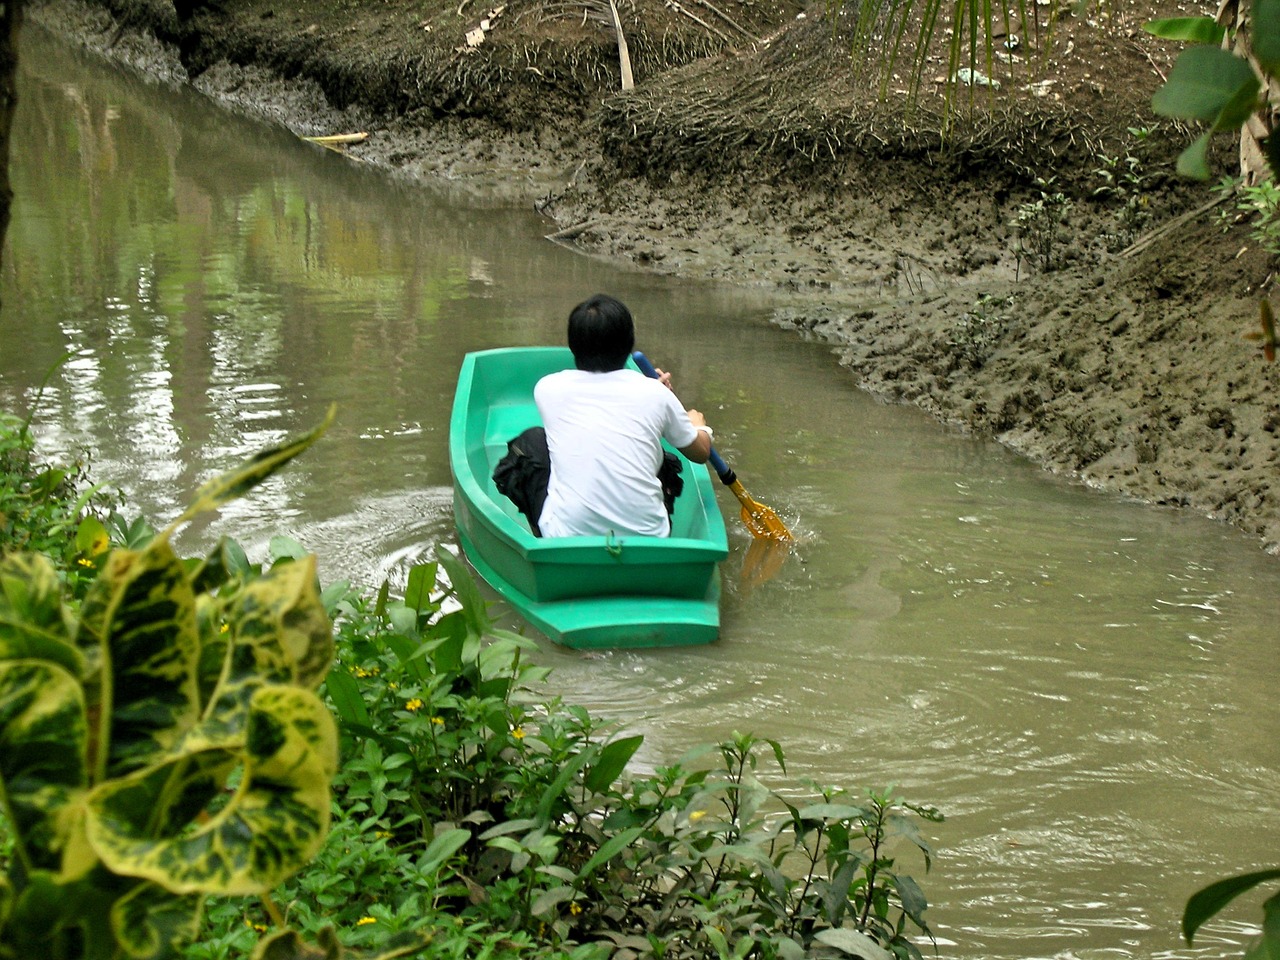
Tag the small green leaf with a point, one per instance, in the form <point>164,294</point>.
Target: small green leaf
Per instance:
<point>258,468</point>
<point>421,585</point>
<point>613,760</point>
<point>1193,161</point>
<point>91,537</point>
<point>1190,29</point>
<point>348,699</point>
<point>444,846</point>
<point>547,900</point>
<point>831,811</point>
<point>610,848</point>
<point>853,943</point>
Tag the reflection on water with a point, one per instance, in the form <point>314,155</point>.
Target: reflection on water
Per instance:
<point>1081,684</point>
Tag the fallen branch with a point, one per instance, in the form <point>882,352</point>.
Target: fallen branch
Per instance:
<point>573,232</point>
<point>729,20</point>
<point>624,57</point>
<point>1143,242</point>
<point>335,139</point>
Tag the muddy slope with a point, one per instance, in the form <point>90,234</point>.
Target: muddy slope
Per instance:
<point>1039,275</point>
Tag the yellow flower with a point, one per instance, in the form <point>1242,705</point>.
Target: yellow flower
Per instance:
<point>259,927</point>
<point>438,721</point>
<point>413,705</point>
<point>85,562</point>
<point>575,909</point>
<point>518,733</point>
<point>365,921</point>
<point>696,815</point>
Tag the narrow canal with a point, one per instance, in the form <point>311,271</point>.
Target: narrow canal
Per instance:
<point>1083,685</point>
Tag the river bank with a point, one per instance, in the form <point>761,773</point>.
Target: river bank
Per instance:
<point>998,280</point>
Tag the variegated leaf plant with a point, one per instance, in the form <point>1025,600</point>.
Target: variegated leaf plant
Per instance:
<point>160,743</point>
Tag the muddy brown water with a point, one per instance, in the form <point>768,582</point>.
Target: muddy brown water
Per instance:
<point>1083,685</point>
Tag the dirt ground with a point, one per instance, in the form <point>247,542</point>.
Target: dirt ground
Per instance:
<point>1038,274</point>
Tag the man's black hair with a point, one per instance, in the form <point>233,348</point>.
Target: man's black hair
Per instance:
<point>601,334</point>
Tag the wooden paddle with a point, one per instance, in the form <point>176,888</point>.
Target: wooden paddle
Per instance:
<point>763,523</point>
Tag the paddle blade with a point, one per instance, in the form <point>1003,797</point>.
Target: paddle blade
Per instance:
<point>763,523</point>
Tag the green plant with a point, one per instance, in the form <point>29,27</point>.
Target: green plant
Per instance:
<point>1124,182</point>
<point>467,806</point>
<point>1209,901</point>
<point>160,742</point>
<point>49,509</point>
<point>1220,87</point>
<point>978,330</point>
<point>1256,204</point>
<point>1039,224</point>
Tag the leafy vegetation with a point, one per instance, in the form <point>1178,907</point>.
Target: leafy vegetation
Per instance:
<point>1213,898</point>
<point>1040,224</point>
<point>164,757</point>
<point>160,738</point>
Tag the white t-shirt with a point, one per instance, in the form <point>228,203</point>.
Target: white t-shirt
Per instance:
<point>604,433</point>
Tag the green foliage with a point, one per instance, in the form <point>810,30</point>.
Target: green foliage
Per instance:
<point>979,330</point>
<point>160,741</point>
<point>1215,86</point>
<point>43,509</point>
<point>1124,183</point>
<point>1256,204</point>
<point>1213,898</point>
<point>1039,223</point>
<point>500,825</point>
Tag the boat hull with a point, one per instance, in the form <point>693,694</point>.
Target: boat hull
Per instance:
<point>583,592</point>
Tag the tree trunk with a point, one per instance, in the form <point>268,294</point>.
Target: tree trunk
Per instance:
<point>10,25</point>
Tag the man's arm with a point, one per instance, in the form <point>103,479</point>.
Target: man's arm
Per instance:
<point>700,450</point>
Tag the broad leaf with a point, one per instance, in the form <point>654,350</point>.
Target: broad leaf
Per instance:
<point>273,824</point>
<point>853,943</point>
<point>140,614</point>
<point>444,846</point>
<point>1265,20</point>
<point>33,623</point>
<point>421,585</point>
<point>151,923</point>
<point>1205,82</point>
<point>1209,901</point>
<point>610,848</point>
<point>42,755</point>
<point>1189,29</point>
<point>281,620</point>
<point>348,699</point>
<point>1193,161</point>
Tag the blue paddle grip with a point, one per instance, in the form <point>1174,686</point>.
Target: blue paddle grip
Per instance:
<point>721,468</point>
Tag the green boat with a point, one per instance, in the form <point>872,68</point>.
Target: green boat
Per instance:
<point>584,592</point>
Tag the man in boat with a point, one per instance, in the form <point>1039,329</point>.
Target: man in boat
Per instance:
<point>600,468</point>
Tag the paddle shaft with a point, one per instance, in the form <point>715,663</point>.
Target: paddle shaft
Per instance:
<point>726,475</point>
<point>760,520</point>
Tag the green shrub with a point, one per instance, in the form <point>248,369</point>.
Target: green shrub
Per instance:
<point>50,509</point>
<point>500,824</point>
<point>159,741</point>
